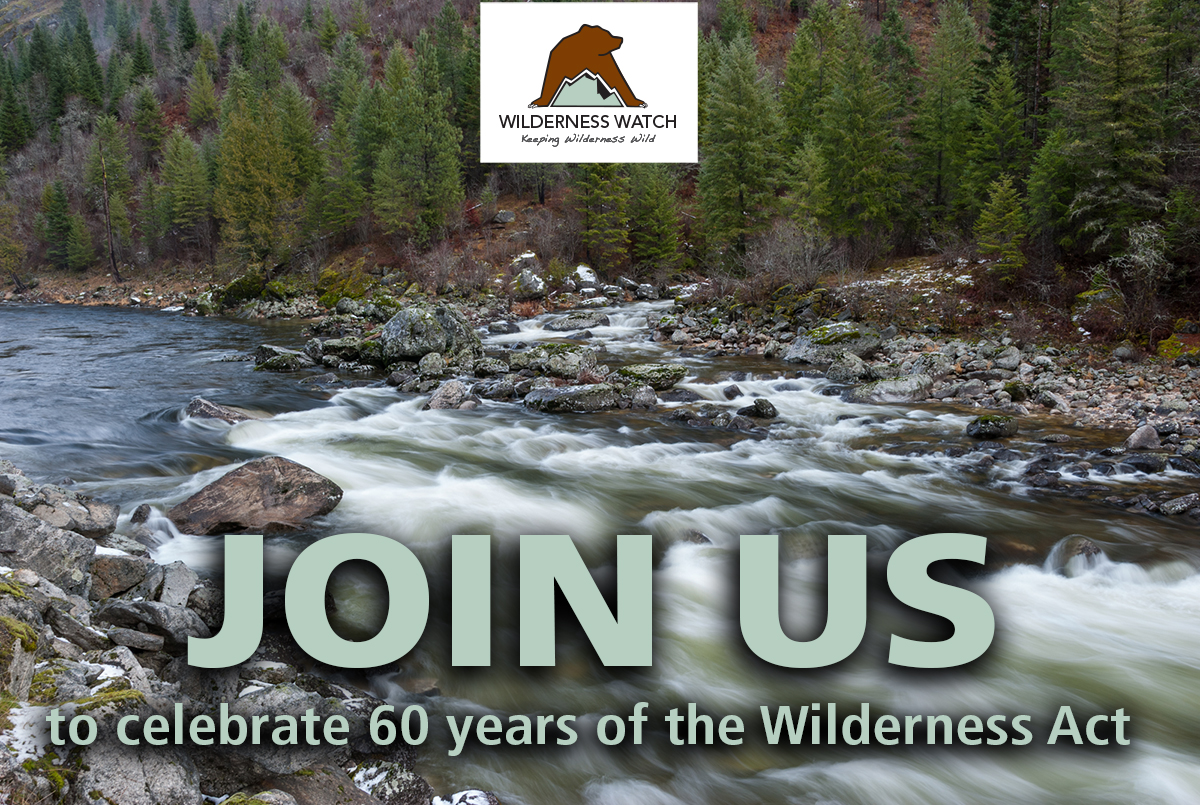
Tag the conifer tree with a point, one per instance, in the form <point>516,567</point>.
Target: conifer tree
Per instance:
<point>299,134</point>
<point>1053,179</point>
<point>340,193</point>
<point>327,30</point>
<point>807,76</point>
<point>808,186</point>
<point>12,116</point>
<point>243,35</point>
<point>1000,230</point>
<point>142,65</point>
<point>148,121</point>
<point>55,223</point>
<point>208,54</point>
<point>458,63</point>
<point>896,57</point>
<point>733,21</point>
<point>1115,124</point>
<point>653,216</point>
<point>999,145</point>
<point>858,140</point>
<point>106,176</point>
<point>741,168</point>
<point>417,187</point>
<point>158,26</point>
<point>12,247</point>
<point>202,98</point>
<point>360,24</point>
<point>185,183</point>
<point>80,252</point>
<point>267,54</point>
<point>371,127</point>
<point>945,112</point>
<point>347,76</point>
<point>89,78</point>
<point>308,19</point>
<point>601,196</point>
<point>708,54</point>
<point>254,194</point>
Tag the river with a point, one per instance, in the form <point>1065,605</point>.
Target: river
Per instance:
<point>96,395</point>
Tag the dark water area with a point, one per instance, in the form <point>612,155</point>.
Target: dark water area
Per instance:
<point>96,393</point>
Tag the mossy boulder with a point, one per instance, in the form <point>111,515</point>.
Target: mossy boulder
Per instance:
<point>419,329</point>
<point>1018,392</point>
<point>245,288</point>
<point>658,376</point>
<point>574,399</point>
<point>822,345</point>
<point>993,426</point>
<point>913,388</point>
<point>1184,352</point>
<point>559,360</point>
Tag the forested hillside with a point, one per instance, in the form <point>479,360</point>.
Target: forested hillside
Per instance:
<point>1059,141</point>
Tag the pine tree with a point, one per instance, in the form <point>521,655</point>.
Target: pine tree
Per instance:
<point>208,54</point>
<point>185,184</point>
<point>999,145</point>
<point>653,216</point>
<point>12,131</point>
<point>254,194</point>
<point>267,54</point>
<point>371,127</point>
<point>807,76</point>
<point>55,223</point>
<point>299,134</point>
<point>347,75</point>
<point>308,19</point>
<point>945,112</point>
<point>858,140</point>
<point>243,35</point>
<point>116,79</point>
<point>148,121</point>
<point>1001,229</point>
<point>808,186</point>
<point>89,77</point>
<point>708,54</point>
<point>142,64</point>
<point>158,25</point>
<point>417,187</point>
<point>327,30</point>
<point>107,178</point>
<point>896,57</point>
<point>360,24</point>
<point>340,194</point>
<point>741,168</point>
<point>202,98</point>
<point>80,252</point>
<point>1110,111</point>
<point>12,247</point>
<point>733,21</point>
<point>601,196</point>
<point>1053,179</point>
<point>458,63</point>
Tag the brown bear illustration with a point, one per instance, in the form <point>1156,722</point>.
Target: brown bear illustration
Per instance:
<point>589,48</point>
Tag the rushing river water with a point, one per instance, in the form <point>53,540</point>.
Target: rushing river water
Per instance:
<point>97,395</point>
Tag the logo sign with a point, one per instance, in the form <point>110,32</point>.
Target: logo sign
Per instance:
<point>588,82</point>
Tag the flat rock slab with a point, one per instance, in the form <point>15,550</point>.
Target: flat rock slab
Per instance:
<point>114,574</point>
<point>573,399</point>
<point>264,496</point>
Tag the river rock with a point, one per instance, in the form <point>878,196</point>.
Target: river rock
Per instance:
<point>1147,462</point>
<point>392,784</point>
<point>132,638</point>
<point>1144,438</point>
<point>280,359</point>
<point>823,344</point>
<point>913,388</point>
<point>560,360</point>
<point>761,408</point>
<point>71,630</point>
<point>528,285</point>
<point>68,510</point>
<point>992,426</point>
<point>62,557</point>
<point>1009,359</point>
<point>449,395</point>
<point>265,495</point>
<point>573,399</point>
<point>114,574</point>
<point>322,785</point>
<point>582,320</point>
<point>420,329</point>
<point>200,408</point>
<point>470,797</point>
<point>174,624</point>
<point>148,775</point>
<point>431,365</point>
<point>177,585</point>
<point>658,376</point>
<point>1181,504</point>
<point>848,368</point>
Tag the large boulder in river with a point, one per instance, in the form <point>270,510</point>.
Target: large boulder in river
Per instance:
<point>263,496</point>
<point>280,359</point>
<point>418,330</point>
<point>993,426</point>
<point>1144,438</point>
<point>200,408</point>
<point>574,399</point>
<point>913,388</point>
<point>559,360</point>
<point>62,557</point>
<point>822,345</point>
<point>658,376</point>
<point>582,320</point>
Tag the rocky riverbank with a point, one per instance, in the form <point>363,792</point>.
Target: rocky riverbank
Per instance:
<point>90,624</point>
